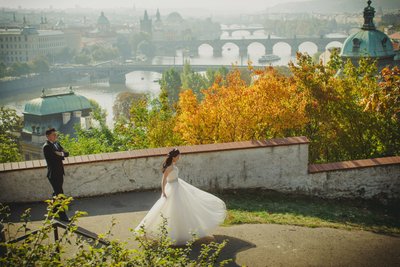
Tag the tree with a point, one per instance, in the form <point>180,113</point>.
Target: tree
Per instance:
<point>151,124</point>
<point>18,69</point>
<point>384,103</point>
<point>40,65</point>
<point>146,47</point>
<point>219,74</point>
<point>3,70</point>
<point>136,38</point>
<point>100,53</point>
<point>82,58</point>
<point>122,105</point>
<point>10,127</point>
<point>338,127</point>
<point>192,80</point>
<point>270,107</point>
<point>64,56</point>
<point>124,48</point>
<point>98,139</point>
<point>171,83</point>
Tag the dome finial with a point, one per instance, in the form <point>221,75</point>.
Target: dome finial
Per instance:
<point>369,13</point>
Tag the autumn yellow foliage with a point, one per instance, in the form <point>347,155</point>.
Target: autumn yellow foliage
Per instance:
<point>233,111</point>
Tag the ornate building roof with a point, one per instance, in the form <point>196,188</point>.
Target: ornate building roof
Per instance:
<point>174,17</point>
<point>368,41</point>
<point>53,104</point>
<point>103,20</point>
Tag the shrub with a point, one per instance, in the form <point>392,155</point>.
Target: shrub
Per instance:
<point>39,248</point>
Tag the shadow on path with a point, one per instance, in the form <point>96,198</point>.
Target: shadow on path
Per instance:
<point>232,248</point>
<point>99,205</point>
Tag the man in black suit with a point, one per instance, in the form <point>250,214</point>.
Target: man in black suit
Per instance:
<point>54,155</point>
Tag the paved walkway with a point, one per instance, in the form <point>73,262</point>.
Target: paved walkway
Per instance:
<point>249,245</point>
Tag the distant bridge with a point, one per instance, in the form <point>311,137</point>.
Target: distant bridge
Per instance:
<point>192,46</point>
<point>116,72</point>
<point>250,29</point>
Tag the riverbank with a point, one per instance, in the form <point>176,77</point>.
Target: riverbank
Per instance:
<point>32,82</point>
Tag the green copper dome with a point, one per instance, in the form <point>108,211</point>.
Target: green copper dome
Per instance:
<point>53,104</point>
<point>372,43</point>
<point>103,20</point>
<point>368,41</point>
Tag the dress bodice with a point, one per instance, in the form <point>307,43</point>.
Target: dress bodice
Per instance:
<point>173,175</point>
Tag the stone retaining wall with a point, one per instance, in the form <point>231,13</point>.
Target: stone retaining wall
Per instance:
<point>277,164</point>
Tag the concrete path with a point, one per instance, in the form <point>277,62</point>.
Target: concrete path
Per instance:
<point>249,245</point>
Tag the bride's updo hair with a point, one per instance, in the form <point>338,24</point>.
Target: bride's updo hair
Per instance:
<point>168,161</point>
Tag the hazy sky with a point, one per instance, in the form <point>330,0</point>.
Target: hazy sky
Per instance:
<point>213,5</point>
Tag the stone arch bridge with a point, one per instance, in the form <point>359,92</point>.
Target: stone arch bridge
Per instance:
<point>115,73</point>
<point>192,47</point>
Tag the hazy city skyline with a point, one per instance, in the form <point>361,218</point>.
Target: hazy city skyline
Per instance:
<point>219,6</point>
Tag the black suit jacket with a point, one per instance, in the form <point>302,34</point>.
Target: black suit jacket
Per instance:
<point>55,166</point>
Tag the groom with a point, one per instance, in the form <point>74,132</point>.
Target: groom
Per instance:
<point>54,155</point>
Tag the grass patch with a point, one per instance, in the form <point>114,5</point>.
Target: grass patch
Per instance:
<point>265,206</point>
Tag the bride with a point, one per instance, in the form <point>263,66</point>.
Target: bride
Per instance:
<point>188,210</point>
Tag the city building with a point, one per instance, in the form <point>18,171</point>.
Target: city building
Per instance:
<point>102,35</point>
<point>61,111</point>
<point>25,44</point>
<point>146,24</point>
<point>174,27</point>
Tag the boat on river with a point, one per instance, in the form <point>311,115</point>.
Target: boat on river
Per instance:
<point>268,58</point>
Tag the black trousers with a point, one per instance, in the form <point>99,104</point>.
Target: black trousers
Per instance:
<point>57,184</point>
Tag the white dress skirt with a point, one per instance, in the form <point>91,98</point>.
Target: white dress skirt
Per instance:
<point>188,211</point>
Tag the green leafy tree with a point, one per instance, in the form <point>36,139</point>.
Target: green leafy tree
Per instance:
<point>122,105</point>
<point>384,103</point>
<point>133,133</point>
<point>146,47</point>
<point>124,48</point>
<point>100,53</point>
<point>40,65</point>
<point>64,56</point>
<point>19,68</point>
<point>136,39</point>
<point>171,83</point>
<point>82,58</point>
<point>151,125</point>
<point>338,128</point>
<point>213,74</point>
<point>3,70</point>
<point>192,80</point>
<point>10,127</point>
<point>97,139</point>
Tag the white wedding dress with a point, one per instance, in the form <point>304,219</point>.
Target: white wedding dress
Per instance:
<point>188,211</point>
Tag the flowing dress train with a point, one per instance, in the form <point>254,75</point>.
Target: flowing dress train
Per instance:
<point>188,211</point>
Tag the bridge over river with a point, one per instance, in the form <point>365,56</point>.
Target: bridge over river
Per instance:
<point>192,46</point>
<point>116,72</point>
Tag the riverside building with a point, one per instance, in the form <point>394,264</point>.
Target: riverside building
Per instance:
<point>25,44</point>
<point>61,111</point>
